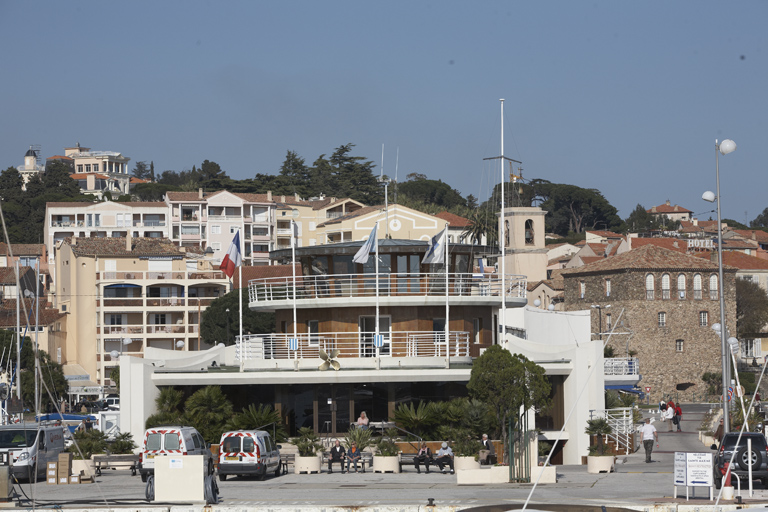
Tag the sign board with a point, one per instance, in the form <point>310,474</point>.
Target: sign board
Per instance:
<point>647,389</point>
<point>730,393</point>
<point>293,344</point>
<point>378,340</point>
<point>693,470</point>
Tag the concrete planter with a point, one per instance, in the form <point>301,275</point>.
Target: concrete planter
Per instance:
<point>307,464</point>
<point>484,475</point>
<point>600,464</point>
<point>83,467</point>
<point>465,463</point>
<point>382,464</point>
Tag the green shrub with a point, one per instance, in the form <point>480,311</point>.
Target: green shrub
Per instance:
<point>307,442</point>
<point>360,436</point>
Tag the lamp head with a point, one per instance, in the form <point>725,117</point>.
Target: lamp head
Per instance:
<point>115,354</point>
<point>179,344</point>
<point>537,303</point>
<point>709,196</point>
<point>551,307</point>
<point>734,344</point>
<point>127,341</point>
<point>727,146</point>
<point>716,328</point>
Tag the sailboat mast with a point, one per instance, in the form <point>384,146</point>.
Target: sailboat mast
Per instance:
<point>501,237</point>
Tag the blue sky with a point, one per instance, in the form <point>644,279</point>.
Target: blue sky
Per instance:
<point>625,97</point>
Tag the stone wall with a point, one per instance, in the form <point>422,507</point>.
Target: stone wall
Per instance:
<point>665,366</point>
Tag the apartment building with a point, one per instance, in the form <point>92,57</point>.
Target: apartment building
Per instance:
<point>307,216</point>
<point>210,220</point>
<point>126,294</point>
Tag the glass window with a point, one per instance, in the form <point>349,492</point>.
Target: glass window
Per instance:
<point>231,445</point>
<point>154,442</point>
<point>662,319</point>
<point>665,286</point>
<point>649,285</point>
<point>172,441</point>
<point>582,289</point>
<point>703,318</point>
<point>607,287</point>
<point>248,445</point>
<point>608,321</point>
<point>215,229</point>
<point>697,287</point>
<point>713,295</point>
<point>678,345</point>
<point>681,286</point>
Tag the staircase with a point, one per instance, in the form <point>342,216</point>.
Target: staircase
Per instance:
<point>622,425</point>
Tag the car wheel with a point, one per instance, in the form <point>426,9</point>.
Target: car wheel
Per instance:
<point>277,469</point>
<point>144,477</point>
<point>222,477</point>
<point>260,476</point>
<point>210,466</point>
<point>749,458</point>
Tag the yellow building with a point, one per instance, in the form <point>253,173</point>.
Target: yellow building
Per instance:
<point>127,294</point>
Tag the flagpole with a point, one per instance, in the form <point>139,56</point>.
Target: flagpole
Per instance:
<point>376,263</point>
<point>293,270</point>
<point>503,322</point>
<point>447,305</point>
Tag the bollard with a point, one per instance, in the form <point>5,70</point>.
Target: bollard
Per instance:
<point>727,474</point>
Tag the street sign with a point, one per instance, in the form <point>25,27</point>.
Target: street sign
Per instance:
<point>293,344</point>
<point>730,393</point>
<point>378,340</point>
<point>740,391</point>
<point>693,470</point>
<point>647,389</point>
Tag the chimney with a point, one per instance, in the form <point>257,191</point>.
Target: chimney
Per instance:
<point>269,195</point>
<point>296,195</point>
<point>282,199</point>
<point>128,240</point>
<point>200,192</point>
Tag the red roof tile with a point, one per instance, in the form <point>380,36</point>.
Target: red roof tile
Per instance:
<point>743,261</point>
<point>454,221</point>
<point>647,257</point>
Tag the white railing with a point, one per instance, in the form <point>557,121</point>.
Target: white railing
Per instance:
<point>622,427</point>
<point>620,366</point>
<point>355,344</point>
<point>390,285</point>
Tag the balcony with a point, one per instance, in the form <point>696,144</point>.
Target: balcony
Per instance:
<point>621,371</point>
<point>355,345</point>
<point>394,290</point>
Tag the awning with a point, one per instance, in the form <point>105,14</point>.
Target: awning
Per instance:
<point>123,285</point>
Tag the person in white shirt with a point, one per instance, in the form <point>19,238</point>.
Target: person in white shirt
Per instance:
<point>669,414</point>
<point>444,457</point>
<point>649,435</point>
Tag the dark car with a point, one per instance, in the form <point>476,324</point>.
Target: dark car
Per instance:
<point>757,458</point>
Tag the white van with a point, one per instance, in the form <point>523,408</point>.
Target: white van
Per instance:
<point>159,441</point>
<point>248,452</point>
<point>31,448</point>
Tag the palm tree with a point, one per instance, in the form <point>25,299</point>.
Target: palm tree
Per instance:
<point>254,417</point>
<point>209,411</point>
<point>598,427</point>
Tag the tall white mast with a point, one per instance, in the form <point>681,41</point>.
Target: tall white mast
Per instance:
<point>501,238</point>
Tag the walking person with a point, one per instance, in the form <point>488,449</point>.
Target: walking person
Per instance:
<point>678,417</point>
<point>669,418</point>
<point>649,436</point>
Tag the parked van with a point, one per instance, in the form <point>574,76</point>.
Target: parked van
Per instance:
<point>160,441</point>
<point>248,452</point>
<point>31,448</point>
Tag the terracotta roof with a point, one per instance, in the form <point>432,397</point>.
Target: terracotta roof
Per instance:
<point>134,179</point>
<point>586,260</point>
<point>84,175</point>
<point>59,157</point>
<point>454,221</point>
<point>668,208</point>
<point>130,204</point>
<point>92,246</point>
<point>743,261</point>
<point>265,272</point>
<point>47,317</point>
<point>606,234</point>
<point>647,257</point>
<point>23,249</point>
<point>195,196</point>
<point>554,284</point>
<point>362,211</point>
<point>10,303</point>
<point>753,234</point>
<point>673,244</point>
<point>8,275</point>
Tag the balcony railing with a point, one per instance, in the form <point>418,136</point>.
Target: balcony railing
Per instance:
<point>621,366</point>
<point>355,344</point>
<point>122,276</point>
<point>390,285</point>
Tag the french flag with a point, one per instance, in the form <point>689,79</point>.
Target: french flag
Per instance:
<point>233,259</point>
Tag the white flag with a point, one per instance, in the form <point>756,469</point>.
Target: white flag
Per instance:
<point>370,245</point>
<point>436,252</point>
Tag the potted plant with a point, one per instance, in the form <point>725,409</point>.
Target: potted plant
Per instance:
<point>87,443</point>
<point>308,444</point>
<point>386,459</point>
<point>466,451</point>
<point>599,459</point>
<point>360,436</point>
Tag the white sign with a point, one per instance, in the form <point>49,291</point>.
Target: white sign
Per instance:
<point>693,470</point>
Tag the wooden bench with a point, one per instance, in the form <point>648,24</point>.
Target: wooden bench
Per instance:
<point>110,461</point>
<point>365,458</point>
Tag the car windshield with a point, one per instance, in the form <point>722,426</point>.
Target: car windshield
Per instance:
<point>17,438</point>
<point>730,440</point>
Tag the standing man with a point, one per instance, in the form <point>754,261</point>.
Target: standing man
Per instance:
<point>649,435</point>
<point>669,416</point>
<point>678,416</point>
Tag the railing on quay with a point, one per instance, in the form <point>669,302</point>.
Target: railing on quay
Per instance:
<point>390,285</point>
<point>354,344</point>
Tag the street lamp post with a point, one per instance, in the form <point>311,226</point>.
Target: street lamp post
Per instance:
<point>724,147</point>
<point>227,325</point>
